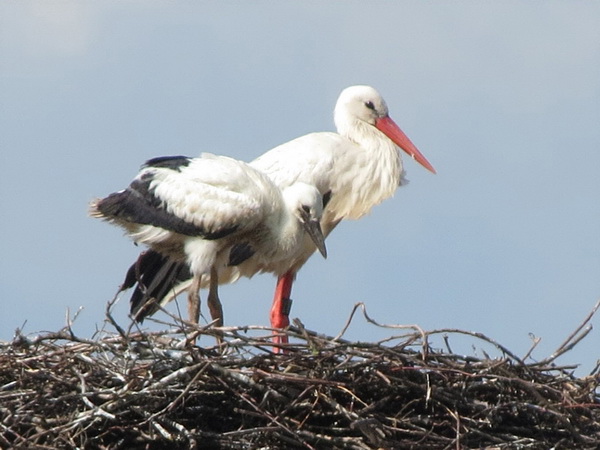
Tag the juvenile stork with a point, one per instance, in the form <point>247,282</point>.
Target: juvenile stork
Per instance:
<point>191,212</point>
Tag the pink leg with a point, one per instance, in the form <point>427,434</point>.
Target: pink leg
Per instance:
<point>281,306</point>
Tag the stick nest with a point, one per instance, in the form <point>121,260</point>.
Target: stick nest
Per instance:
<point>131,390</point>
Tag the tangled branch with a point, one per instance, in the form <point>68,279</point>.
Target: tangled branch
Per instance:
<point>133,389</point>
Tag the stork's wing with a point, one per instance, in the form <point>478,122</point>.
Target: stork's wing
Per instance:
<point>209,197</point>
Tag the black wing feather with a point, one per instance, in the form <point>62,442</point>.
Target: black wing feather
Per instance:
<point>326,198</point>
<point>169,162</point>
<point>137,204</point>
<point>240,253</point>
<point>154,276</point>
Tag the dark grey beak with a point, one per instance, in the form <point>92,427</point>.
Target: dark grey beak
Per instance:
<point>313,228</point>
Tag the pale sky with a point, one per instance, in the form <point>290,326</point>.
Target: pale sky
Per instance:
<point>502,97</point>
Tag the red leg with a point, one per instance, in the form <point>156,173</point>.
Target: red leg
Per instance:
<point>281,305</point>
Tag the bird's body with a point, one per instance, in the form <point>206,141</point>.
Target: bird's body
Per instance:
<point>192,211</point>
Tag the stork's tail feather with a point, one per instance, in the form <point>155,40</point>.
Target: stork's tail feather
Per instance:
<point>94,210</point>
<point>154,278</point>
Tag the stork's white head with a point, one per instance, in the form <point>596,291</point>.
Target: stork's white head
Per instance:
<point>305,203</point>
<point>360,106</point>
<point>362,103</point>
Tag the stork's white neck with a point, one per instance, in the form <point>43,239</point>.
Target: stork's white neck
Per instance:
<point>373,169</point>
<point>282,237</point>
<point>381,150</point>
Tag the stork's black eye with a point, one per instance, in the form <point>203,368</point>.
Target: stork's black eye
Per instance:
<point>370,105</point>
<point>306,209</point>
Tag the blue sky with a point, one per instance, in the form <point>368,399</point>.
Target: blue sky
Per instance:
<point>502,97</point>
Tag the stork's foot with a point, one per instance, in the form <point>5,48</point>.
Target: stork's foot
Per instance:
<point>279,341</point>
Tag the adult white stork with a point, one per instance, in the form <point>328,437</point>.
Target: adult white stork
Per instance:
<point>191,211</point>
<point>354,169</point>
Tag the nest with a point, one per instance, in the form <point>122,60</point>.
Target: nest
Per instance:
<point>132,389</point>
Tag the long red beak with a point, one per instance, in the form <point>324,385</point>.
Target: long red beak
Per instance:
<point>388,127</point>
